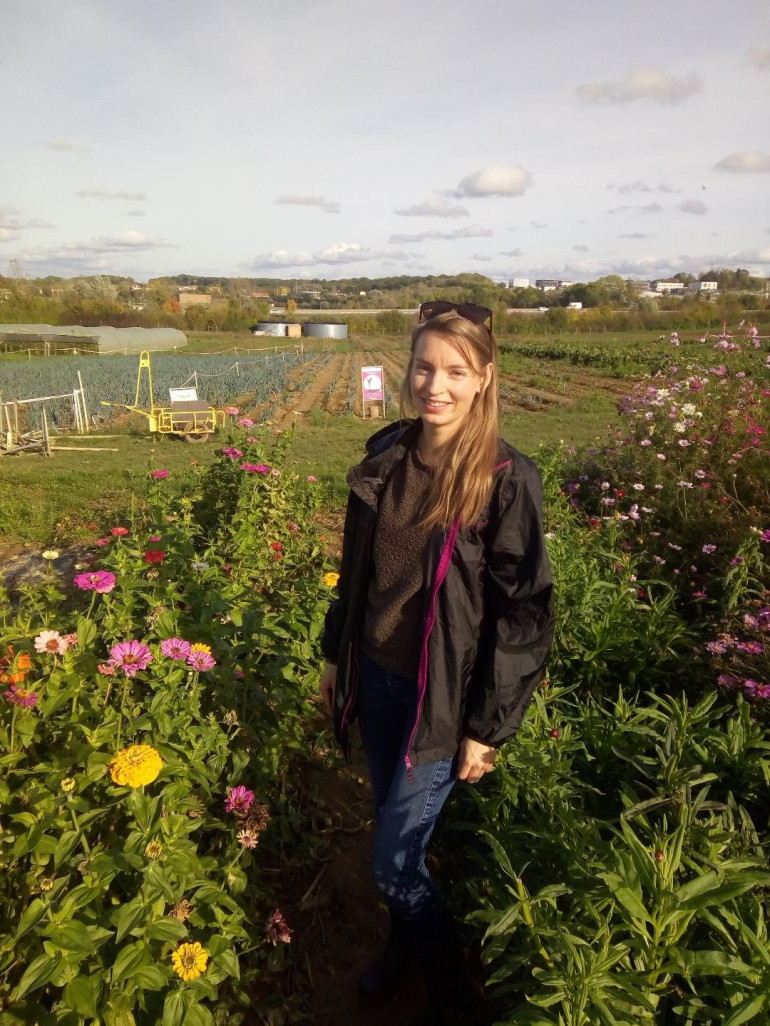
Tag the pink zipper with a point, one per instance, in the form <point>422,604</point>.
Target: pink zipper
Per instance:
<point>422,677</point>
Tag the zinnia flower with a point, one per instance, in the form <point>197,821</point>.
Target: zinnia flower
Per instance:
<point>232,411</point>
<point>102,542</point>
<point>190,961</point>
<point>154,556</point>
<point>276,546</point>
<point>67,785</point>
<point>248,838</point>
<point>245,422</point>
<point>135,766</point>
<point>50,641</point>
<point>330,579</point>
<point>50,554</point>
<point>20,696</point>
<point>119,532</point>
<point>175,648</point>
<point>232,454</point>
<point>130,657</point>
<point>181,910</point>
<point>14,668</point>
<point>153,850</point>
<point>200,658</point>
<point>239,800</point>
<point>159,473</point>
<point>277,929</point>
<point>106,669</point>
<point>101,581</point>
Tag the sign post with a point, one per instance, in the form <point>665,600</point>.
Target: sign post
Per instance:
<point>373,392</point>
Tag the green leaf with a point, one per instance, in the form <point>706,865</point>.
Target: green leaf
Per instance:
<point>40,972</point>
<point>630,900</point>
<point>198,1015</point>
<point>228,960</point>
<point>128,917</point>
<point>65,846</point>
<point>173,1009</point>
<point>82,995</point>
<point>130,957</point>
<point>150,977</point>
<point>86,631</point>
<point>746,1010</point>
<point>31,916</point>
<point>72,936</point>
<point>166,929</point>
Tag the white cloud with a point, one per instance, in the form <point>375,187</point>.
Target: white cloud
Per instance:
<point>9,235</point>
<point>636,235</point>
<point>580,249</point>
<point>693,207</point>
<point>339,253</point>
<point>10,221</point>
<point>758,58</point>
<point>646,208</point>
<point>749,161</point>
<point>66,146</point>
<point>102,193</point>
<point>495,180</point>
<point>472,231</point>
<point>433,206</point>
<point>512,252</point>
<point>538,224</point>
<point>136,212</point>
<point>480,256</point>
<point>328,206</point>
<point>642,84</point>
<point>639,186</point>
<point>121,242</point>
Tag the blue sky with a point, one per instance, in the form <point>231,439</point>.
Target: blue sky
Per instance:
<point>337,139</point>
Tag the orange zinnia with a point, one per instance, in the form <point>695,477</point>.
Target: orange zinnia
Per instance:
<point>14,668</point>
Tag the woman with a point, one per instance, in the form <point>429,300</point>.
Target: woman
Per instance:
<point>442,624</point>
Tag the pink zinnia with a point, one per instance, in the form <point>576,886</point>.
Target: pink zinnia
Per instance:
<point>20,696</point>
<point>106,669</point>
<point>119,532</point>
<point>200,660</point>
<point>277,929</point>
<point>239,799</point>
<point>130,657</point>
<point>103,541</point>
<point>159,473</point>
<point>101,581</point>
<point>245,422</point>
<point>175,648</point>
<point>154,556</point>
<point>232,411</point>
<point>50,641</point>
<point>71,639</point>
<point>232,454</point>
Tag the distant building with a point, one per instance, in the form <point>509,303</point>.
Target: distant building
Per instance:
<point>188,299</point>
<point>549,284</point>
<point>260,295</point>
<point>574,306</point>
<point>668,288</point>
<point>519,283</point>
<point>703,286</point>
<point>638,286</point>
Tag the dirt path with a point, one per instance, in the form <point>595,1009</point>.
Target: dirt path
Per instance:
<point>314,395</point>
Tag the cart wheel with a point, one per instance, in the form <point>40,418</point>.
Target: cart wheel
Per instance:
<point>197,436</point>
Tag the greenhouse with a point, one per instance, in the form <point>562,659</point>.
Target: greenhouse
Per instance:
<point>48,339</point>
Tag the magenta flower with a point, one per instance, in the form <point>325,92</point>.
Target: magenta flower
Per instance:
<point>20,696</point>
<point>245,422</point>
<point>737,561</point>
<point>51,642</point>
<point>239,800</point>
<point>159,473</point>
<point>709,549</point>
<point>175,648</point>
<point>130,657</point>
<point>728,680</point>
<point>106,669</point>
<point>232,411</point>
<point>101,581</point>
<point>755,689</point>
<point>200,660</point>
<point>312,478</point>
<point>232,454</point>
<point>765,536</point>
<point>752,647</point>
<point>103,541</point>
<point>277,930</point>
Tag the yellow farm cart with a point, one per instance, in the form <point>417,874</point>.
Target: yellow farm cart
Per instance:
<point>185,414</point>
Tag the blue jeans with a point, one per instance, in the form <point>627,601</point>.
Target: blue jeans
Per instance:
<point>405,813</point>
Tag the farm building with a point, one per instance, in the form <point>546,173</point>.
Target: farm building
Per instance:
<point>50,339</point>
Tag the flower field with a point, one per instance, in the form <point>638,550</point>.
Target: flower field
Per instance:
<point>613,870</point>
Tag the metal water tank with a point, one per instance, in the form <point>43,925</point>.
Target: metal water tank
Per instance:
<point>310,330</point>
<point>272,327</point>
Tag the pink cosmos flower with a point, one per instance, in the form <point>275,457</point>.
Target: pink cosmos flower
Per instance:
<point>200,660</point>
<point>245,422</point>
<point>20,696</point>
<point>51,642</point>
<point>728,680</point>
<point>275,473</point>
<point>131,657</point>
<point>312,478</point>
<point>736,561</point>
<point>159,473</point>
<point>119,532</point>
<point>101,581</point>
<point>752,647</point>
<point>765,536</point>
<point>239,800</point>
<point>709,549</point>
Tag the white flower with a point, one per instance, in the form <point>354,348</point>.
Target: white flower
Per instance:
<point>688,409</point>
<point>680,427</point>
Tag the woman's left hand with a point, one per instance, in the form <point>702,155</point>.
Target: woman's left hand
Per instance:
<point>474,760</point>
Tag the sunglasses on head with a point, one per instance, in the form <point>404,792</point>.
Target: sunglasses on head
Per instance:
<point>470,311</point>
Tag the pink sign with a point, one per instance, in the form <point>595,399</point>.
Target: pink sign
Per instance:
<point>372,383</point>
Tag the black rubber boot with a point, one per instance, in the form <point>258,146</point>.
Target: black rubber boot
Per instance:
<point>452,996</point>
<point>378,983</point>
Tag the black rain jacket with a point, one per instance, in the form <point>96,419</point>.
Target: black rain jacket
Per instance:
<point>488,619</point>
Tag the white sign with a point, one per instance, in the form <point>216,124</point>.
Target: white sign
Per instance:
<point>183,395</point>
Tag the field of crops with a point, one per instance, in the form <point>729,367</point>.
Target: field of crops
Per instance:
<point>219,379</point>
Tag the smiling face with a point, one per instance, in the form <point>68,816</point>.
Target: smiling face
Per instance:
<point>444,385</point>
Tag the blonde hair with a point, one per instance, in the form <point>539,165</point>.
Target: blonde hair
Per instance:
<point>463,479</point>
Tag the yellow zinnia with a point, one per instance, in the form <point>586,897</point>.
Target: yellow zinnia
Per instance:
<point>330,579</point>
<point>200,647</point>
<point>134,766</point>
<point>190,961</point>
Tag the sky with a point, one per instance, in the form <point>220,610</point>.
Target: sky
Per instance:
<point>341,139</point>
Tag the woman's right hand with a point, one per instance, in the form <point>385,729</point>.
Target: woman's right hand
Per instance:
<point>328,686</point>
